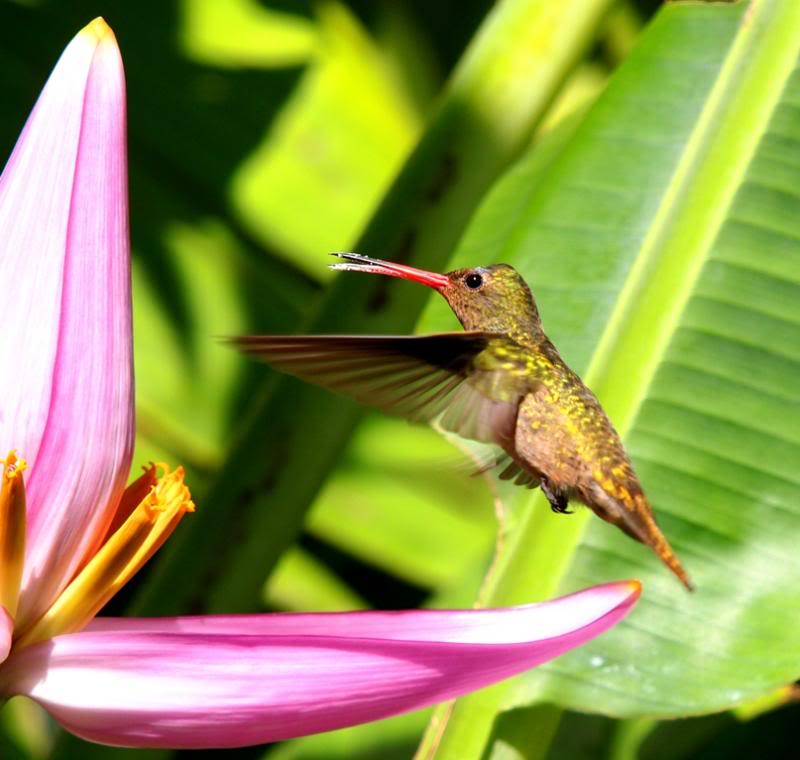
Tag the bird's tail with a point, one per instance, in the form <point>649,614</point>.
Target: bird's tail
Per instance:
<point>631,512</point>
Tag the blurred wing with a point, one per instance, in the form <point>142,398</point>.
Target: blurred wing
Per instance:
<point>447,378</point>
<point>513,471</point>
<point>485,457</point>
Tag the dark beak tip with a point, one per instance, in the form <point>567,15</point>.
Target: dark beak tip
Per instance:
<point>350,256</point>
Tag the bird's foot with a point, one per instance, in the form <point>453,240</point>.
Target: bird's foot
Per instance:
<point>559,502</point>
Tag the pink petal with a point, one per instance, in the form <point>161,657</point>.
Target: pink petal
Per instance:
<point>220,688</point>
<point>65,280</point>
<point>35,198</point>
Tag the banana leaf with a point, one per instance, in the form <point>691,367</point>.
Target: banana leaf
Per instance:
<point>663,245</point>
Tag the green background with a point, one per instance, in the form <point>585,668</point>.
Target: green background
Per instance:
<point>647,189</point>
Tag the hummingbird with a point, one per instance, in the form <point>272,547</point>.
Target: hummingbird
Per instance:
<point>501,381</point>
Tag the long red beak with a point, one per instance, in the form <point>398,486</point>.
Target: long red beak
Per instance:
<point>358,263</point>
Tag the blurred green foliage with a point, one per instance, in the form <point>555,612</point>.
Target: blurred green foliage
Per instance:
<point>264,135</point>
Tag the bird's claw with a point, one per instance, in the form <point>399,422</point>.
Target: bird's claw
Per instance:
<point>559,503</point>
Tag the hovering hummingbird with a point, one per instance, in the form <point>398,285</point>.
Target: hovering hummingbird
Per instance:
<point>501,382</point>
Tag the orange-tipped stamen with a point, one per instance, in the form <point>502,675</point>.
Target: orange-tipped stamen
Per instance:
<point>12,530</point>
<point>133,495</point>
<point>116,562</point>
<point>131,498</point>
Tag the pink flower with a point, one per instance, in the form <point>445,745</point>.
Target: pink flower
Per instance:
<point>71,534</point>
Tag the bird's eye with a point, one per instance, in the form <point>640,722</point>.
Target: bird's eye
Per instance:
<point>473,281</point>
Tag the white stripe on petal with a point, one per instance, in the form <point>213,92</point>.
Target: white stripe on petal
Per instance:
<point>528,623</point>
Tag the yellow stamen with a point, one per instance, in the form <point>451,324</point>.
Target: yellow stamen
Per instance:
<point>136,540</point>
<point>131,498</point>
<point>12,530</point>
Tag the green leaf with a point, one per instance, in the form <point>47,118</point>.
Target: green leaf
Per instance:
<point>332,150</point>
<point>662,248</point>
<point>26,732</point>
<point>187,417</point>
<point>689,366</point>
<point>242,33</point>
<point>390,739</point>
<point>402,501</point>
<point>300,583</point>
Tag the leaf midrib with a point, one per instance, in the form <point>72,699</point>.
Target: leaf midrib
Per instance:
<point>768,40</point>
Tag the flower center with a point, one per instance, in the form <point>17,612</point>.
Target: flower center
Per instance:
<point>125,549</point>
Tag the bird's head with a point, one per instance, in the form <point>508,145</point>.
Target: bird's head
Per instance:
<point>491,299</point>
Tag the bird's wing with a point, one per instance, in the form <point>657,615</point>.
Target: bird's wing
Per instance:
<point>452,379</point>
<point>511,470</point>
